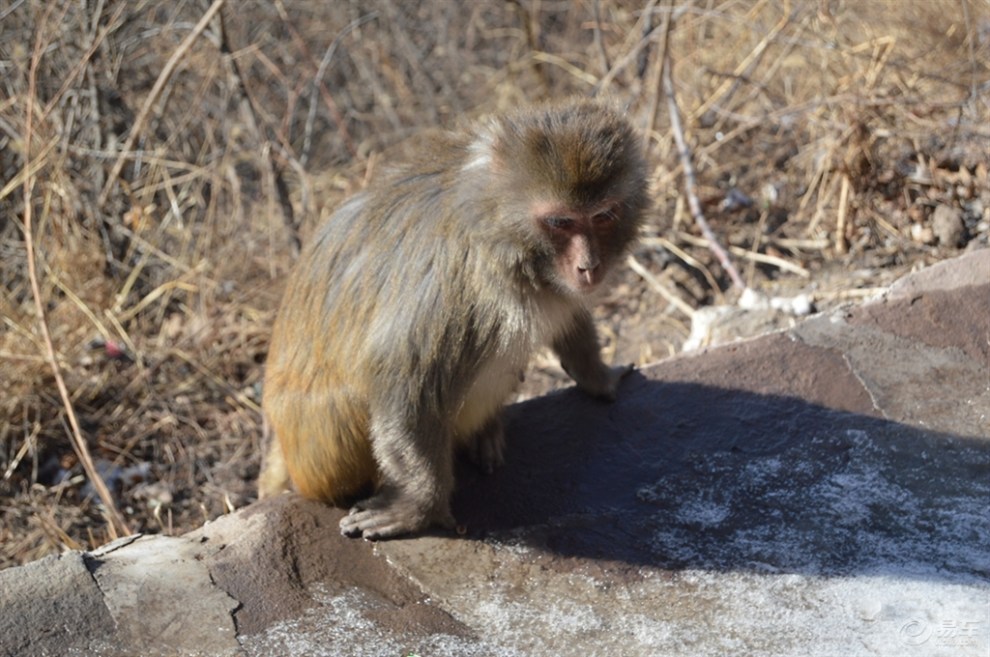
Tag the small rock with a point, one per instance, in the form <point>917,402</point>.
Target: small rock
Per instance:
<point>735,200</point>
<point>798,306</point>
<point>922,234</point>
<point>753,300</point>
<point>947,224</point>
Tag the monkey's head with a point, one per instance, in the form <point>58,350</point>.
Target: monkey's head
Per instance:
<point>576,183</point>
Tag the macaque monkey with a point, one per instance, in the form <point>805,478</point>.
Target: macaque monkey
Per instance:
<point>413,313</point>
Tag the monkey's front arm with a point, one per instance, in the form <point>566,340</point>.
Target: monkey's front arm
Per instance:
<point>580,356</point>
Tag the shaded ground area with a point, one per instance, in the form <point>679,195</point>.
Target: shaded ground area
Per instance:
<point>818,491</point>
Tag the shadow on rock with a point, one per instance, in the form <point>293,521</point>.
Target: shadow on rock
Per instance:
<point>690,476</point>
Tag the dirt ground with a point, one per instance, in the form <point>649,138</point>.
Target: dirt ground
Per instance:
<point>165,160</point>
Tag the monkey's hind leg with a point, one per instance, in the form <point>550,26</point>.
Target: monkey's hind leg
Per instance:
<point>417,478</point>
<point>274,477</point>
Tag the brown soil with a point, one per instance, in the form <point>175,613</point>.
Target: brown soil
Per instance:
<point>837,147</point>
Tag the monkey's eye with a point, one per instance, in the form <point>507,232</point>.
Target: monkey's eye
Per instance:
<point>604,218</point>
<point>558,223</point>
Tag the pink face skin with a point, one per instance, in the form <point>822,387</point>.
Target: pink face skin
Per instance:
<point>577,235</point>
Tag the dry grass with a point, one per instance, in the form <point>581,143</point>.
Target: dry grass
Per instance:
<point>166,204</point>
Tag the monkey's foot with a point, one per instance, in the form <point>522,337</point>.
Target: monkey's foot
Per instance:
<point>383,516</point>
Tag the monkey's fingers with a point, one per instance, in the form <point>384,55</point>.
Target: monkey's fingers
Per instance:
<point>374,524</point>
<point>616,374</point>
<point>372,520</point>
<point>624,370</point>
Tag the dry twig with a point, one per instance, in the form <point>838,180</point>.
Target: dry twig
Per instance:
<point>328,99</point>
<point>117,525</point>
<point>690,181</point>
<point>660,288</point>
<point>278,189</point>
<point>633,52</point>
<point>599,42</point>
<point>156,90</point>
<point>655,87</point>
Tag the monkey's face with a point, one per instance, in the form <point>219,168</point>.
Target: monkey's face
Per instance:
<point>569,184</point>
<point>584,243</point>
<point>576,172</point>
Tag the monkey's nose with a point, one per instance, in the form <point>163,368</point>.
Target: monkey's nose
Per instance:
<point>588,274</point>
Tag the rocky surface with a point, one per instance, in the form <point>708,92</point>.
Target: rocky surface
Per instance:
<point>823,490</point>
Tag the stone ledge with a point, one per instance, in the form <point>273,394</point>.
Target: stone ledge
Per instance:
<point>817,491</point>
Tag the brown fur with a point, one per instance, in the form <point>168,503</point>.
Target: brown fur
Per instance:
<point>411,316</point>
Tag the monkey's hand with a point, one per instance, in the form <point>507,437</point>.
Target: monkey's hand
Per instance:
<point>389,513</point>
<point>606,384</point>
<point>580,357</point>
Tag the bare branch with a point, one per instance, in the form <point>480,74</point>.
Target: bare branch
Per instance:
<point>156,90</point>
<point>690,180</point>
<point>117,524</point>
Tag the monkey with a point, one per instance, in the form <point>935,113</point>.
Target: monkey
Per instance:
<point>413,312</point>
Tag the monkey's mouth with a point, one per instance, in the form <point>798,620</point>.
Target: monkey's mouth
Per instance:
<point>585,283</point>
